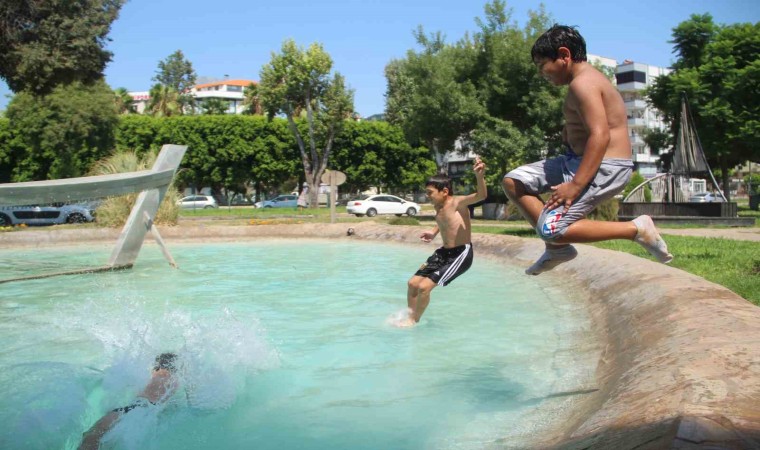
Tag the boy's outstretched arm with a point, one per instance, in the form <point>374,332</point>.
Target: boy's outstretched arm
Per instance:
<point>479,167</point>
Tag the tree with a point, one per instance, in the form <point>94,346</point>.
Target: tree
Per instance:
<point>61,134</point>
<point>177,73</point>
<point>252,100</point>
<point>484,91</point>
<point>375,153</point>
<point>44,43</point>
<point>164,101</point>
<point>124,101</point>
<point>215,106</point>
<point>298,80</point>
<point>428,99</point>
<point>719,71</point>
<point>657,140</point>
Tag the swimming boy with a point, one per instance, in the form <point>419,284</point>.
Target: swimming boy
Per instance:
<point>161,386</point>
<point>452,218</point>
<point>596,166</point>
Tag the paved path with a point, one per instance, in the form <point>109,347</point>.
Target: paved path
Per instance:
<point>742,234</point>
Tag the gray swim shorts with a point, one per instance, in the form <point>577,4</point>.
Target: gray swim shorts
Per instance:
<point>539,177</point>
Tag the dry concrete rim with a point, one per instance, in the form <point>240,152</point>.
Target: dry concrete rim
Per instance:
<point>681,360</point>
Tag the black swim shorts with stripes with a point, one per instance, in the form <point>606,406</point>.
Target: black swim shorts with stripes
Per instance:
<point>446,264</point>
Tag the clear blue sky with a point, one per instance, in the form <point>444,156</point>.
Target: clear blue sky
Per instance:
<point>237,37</point>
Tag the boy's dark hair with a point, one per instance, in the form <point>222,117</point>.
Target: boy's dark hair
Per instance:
<point>165,361</point>
<point>440,182</point>
<point>548,44</point>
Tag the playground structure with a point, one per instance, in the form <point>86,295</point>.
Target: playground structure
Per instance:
<point>151,184</point>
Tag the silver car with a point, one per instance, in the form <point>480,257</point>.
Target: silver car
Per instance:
<point>45,214</point>
<point>197,202</point>
<point>705,197</point>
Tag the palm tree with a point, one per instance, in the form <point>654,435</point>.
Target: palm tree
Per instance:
<point>124,102</point>
<point>164,101</point>
<point>252,100</point>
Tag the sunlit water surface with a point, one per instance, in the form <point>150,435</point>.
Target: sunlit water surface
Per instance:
<point>284,345</point>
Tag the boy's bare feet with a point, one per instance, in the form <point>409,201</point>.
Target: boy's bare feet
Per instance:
<point>405,323</point>
<point>648,237</point>
<point>401,319</point>
<point>551,258</point>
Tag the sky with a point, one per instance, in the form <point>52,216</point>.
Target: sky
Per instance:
<point>236,38</point>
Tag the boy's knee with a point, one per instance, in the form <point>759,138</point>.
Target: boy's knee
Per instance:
<point>415,282</point>
<point>550,226</point>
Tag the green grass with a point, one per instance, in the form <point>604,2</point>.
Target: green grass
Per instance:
<point>730,263</point>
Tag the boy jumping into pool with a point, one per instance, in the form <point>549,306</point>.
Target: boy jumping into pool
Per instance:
<point>595,167</point>
<point>161,386</point>
<point>452,218</point>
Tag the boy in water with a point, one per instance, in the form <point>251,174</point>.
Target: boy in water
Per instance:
<point>161,386</point>
<point>596,166</point>
<point>452,218</point>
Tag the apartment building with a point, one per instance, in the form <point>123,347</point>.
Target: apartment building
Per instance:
<point>632,78</point>
<point>230,91</point>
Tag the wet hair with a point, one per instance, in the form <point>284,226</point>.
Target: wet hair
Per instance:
<point>440,182</point>
<point>165,361</point>
<point>548,44</point>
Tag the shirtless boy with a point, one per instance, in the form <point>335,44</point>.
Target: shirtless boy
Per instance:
<point>161,386</point>
<point>452,218</point>
<point>597,164</point>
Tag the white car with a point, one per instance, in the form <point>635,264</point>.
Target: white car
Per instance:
<point>705,197</point>
<point>381,204</point>
<point>197,202</point>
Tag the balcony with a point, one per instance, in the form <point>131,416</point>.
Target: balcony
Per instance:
<point>219,94</point>
<point>637,140</point>
<point>631,86</point>
<point>636,122</point>
<point>636,104</point>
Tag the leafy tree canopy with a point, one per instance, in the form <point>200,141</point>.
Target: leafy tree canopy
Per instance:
<point>297,83</point>
<point>61,134</point>
<point>44,43</point>
<point>483,91</point>
<point>177,73</point>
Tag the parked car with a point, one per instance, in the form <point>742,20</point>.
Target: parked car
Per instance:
<point>236,200</point>
<point>281,201</point>
<point>46,214</point>
<point>381,204</point>
<point>705,197</point>
<point>197,202</point>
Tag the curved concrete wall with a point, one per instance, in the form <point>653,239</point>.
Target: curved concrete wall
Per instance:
<point>681,364</point>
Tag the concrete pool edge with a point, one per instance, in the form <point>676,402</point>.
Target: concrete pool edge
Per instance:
<point>680,367</point>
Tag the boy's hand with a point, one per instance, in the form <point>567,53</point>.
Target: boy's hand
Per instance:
<point>479,167</point>
<point>427,236</point>
<point>564,194</point>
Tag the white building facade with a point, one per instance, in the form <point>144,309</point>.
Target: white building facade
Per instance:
<point>230,91</point>
<point>632,78</point>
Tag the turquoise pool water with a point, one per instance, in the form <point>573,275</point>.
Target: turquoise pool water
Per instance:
<point>284,345</point>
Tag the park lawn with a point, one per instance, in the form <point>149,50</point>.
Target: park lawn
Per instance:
<point>730,263</point>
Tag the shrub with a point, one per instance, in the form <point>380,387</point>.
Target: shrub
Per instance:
<point>607,211</point>
<point>637,179</point>
<point>114,211</point>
